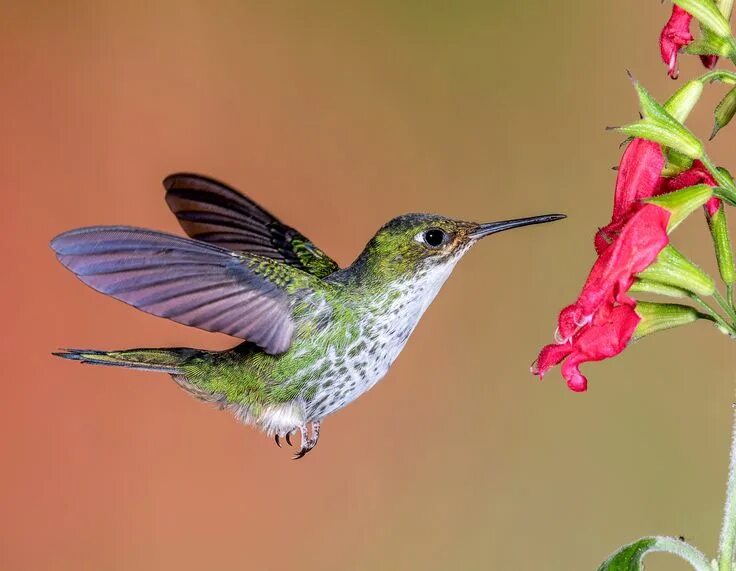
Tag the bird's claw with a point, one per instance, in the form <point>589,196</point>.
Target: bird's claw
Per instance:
<point>287,436</point>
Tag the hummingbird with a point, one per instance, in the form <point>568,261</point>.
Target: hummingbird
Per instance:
<point>315,336</point>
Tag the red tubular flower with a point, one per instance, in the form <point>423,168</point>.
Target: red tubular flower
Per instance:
<point>602,320</point>
<point>675,35</point>
<point>639,176</point>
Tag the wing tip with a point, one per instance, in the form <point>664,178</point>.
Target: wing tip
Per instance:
<point>185,180</point>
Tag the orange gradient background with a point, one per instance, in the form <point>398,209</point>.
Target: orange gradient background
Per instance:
<point>338,116</point>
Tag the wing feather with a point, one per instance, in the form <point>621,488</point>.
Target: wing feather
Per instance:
<point>213,212</point>
<point>190,282</point>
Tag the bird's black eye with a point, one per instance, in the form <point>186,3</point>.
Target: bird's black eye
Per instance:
<point>434,237</point>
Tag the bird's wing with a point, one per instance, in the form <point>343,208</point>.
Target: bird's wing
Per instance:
<point>213,212</point>
<point>188,281</point>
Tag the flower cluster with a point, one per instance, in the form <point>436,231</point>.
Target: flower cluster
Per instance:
<point>602,321</point>
<point>664,175</point>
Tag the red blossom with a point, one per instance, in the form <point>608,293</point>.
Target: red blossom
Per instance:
<point>639,176</point>
<point>602,320</point>
<point>675,35</point>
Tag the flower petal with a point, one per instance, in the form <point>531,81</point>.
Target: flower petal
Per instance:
<point>675,34</point>
<point>599,341</point>
<point>641,238</point>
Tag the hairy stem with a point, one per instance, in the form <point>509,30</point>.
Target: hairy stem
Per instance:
<point>728,530</point>
<point>725,305</point>
<point>717,318</point>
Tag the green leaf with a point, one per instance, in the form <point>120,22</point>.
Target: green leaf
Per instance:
<point>630,557</point>
<point>724,112</point>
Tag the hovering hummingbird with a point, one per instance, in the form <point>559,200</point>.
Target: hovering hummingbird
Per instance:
<point>316,336</point>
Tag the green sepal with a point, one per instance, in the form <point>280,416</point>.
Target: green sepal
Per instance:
<point>682,203</point>
<point>660,316</point>
<point>724,112</point>
<point>661,127</point>
<point>676,163</point>
<point>722,244</point>
<point>673,269</point>
<point>707,13</point>
<point>646,286</point>
<point>726,7</point>
<point>709,45</point>
<point>631,557</point>
<point>684,99</point>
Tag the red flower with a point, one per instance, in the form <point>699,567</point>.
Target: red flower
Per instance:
<point>639,176</point>
<point>602,320</point>
<point>675,35</point>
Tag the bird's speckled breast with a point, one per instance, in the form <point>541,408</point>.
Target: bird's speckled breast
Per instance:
<point>383,330</point>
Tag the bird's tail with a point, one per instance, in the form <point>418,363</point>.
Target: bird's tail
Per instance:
<point>158,360</point>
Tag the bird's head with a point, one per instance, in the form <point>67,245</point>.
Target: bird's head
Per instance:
<point>414,244</point>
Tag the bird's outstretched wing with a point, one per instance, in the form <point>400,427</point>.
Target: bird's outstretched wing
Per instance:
<point>213,212</point>
<point>188,281</point>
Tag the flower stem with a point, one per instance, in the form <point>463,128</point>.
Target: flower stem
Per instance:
<point>728,530</point>
<point>725,305</point>
<point>719,75</point>
<point>717,318</point>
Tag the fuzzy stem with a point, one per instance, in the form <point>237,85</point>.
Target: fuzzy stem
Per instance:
<point>728,530</point>
<point>725,305</point>
<point>685,551</point>
<point>719,75</point>
<point>717,318</point>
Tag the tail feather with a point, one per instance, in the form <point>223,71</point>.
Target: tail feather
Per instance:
<point>157,360</point>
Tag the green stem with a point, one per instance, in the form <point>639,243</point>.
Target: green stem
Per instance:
<point>719,75</point>
<point>725,305</point>
<point>722,180</point>
<point>729,295</point>
<point>685,551</point>
<point>713,313</point>
<point>726,189</point>
<point>728,531</point>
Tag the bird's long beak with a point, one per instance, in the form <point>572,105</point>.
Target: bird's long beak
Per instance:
<point>489,228</point>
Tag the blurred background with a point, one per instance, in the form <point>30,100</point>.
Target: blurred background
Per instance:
<point>338,116</point>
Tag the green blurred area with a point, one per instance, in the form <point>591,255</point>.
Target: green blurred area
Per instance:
<point>338,116</point>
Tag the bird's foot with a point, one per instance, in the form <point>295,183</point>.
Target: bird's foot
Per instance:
<point>308,442</point>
